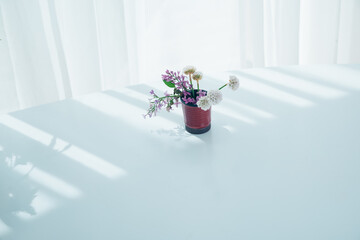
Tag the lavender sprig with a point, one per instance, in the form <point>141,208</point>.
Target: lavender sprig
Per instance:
<point>177,79</point>
<point>156,103</point>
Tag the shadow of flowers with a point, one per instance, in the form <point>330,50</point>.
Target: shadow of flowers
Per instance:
<point>16,192</point>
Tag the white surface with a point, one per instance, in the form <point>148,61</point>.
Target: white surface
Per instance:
<point>281,161</point>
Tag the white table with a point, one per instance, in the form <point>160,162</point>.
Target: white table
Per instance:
<point>282,161</point>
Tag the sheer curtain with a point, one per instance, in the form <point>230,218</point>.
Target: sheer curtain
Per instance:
<point>55,49</point>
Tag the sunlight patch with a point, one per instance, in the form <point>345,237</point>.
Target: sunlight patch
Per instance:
<point>144,98</point>
<point>73,152</point>
<point>297,83</point>
<point>125,111</point>
<point>274,93</point>
<point>4,229</point>
<point>253,110</point>
<point>53,183</point>
<point>231,113</point>
<point>337,74</point>
<point>93,162</point>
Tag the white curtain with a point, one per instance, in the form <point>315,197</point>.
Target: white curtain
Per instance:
<point>55,49</point>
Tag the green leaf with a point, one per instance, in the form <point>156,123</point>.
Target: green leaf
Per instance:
<point>169,84</point>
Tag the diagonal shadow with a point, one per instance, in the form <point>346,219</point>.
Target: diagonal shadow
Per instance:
<point>340,82</point>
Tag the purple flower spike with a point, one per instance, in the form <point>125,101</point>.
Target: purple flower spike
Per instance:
<point>169,99</point>
<point>201,93</point>
<point>186,94</point>
<point>191,100</point>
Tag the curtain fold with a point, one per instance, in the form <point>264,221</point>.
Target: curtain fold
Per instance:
<point>29,55</point>
<point>348,50</point>
<point>8,90</point>
<point>319,27</point>
<point>78,30</point>
<point>113,50</point>
<point>252,25</point>
<point>281,20</point>
<point>55,49</point>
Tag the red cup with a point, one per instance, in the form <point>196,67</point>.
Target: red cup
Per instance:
<point>197,121</point>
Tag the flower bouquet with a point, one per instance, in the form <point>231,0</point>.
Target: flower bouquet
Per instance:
<point>196,103</point>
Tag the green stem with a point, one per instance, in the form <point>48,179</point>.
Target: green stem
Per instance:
<point>161,98</point>
<point>198,85</point>
<point>192,88</point>
<point>184,88</point>
<point>223,86</point>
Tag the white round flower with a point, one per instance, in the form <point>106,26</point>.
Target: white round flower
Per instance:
<point>197,76</point>
<point>204,103</point>
<point>189,70</point>
<point>215,96</point>
<point>233,83</point>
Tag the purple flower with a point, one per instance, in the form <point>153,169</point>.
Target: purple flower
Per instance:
<point>176,78</point>
<point>186,93</point>
<point>191,100</point>
<point>201,93</point>
<point>188,100</point>
<point>168,100</point>
<point>185,100</point>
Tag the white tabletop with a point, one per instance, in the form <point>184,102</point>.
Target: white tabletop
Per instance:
<point>282,161</point>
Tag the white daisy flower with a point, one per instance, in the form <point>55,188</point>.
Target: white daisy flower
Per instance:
<point>215,96</point>
<point>204,103</point>
<point>197,76</point>
<point>233,83</point>
<point>189,70</point>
